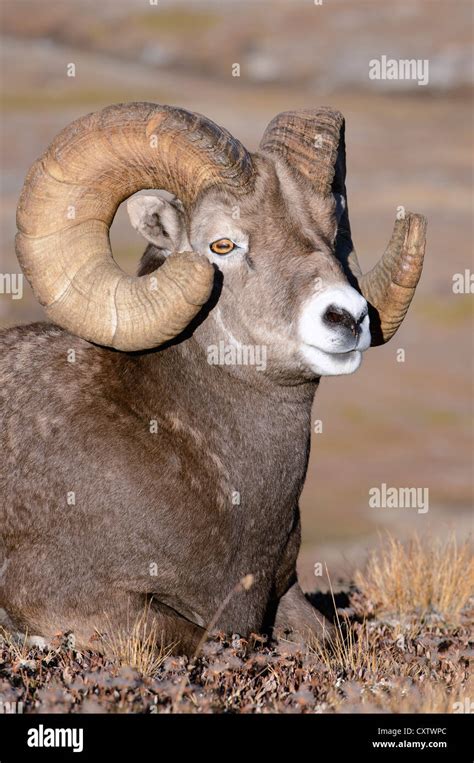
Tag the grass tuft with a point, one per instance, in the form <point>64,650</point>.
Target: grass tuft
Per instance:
<point>139,646</point>
<point>429,577</point>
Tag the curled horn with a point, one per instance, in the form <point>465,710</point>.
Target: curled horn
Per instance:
<point>312,143</point>
<point>70,197</point>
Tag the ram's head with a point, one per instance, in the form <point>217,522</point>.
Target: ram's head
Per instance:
<point>257,246</point>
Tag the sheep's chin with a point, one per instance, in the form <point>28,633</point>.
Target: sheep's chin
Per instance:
<point>331,364</point>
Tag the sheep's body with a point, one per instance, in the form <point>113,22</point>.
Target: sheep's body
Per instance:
<point>102,511</point>
<point>155,478</point>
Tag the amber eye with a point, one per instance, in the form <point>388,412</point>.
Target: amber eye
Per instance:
<point>222,246</point>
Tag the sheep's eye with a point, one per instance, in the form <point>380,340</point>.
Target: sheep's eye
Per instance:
<point>222,246</point>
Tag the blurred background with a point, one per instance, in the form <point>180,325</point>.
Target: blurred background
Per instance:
<point>405,424</point>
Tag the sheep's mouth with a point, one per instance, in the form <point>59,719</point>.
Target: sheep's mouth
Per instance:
<point>354,347</point>
<point>327,363</point>
<point>335,353</point>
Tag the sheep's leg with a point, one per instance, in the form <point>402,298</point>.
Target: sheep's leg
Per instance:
<point>154,621</point>
<point>182,635</point>
<point>151,621</point>
<point>105,621</point>
<point>297,620</point>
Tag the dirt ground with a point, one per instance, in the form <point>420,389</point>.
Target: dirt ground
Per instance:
<point>400,423</point>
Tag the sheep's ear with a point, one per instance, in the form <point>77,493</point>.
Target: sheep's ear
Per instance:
<point>159,221</point>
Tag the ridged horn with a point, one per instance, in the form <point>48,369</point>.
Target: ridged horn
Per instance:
<point>70,197</point>
<point>311,141</point>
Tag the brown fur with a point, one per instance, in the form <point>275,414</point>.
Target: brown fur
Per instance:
<point>166,498</point>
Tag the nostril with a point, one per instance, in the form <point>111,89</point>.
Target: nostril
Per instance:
<point>334,315</point>
<point>338,316</point>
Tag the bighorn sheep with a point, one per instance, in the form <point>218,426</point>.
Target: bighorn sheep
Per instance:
<point>135,470</point>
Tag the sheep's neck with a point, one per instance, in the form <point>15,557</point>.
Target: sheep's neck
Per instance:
<point>258,430</point>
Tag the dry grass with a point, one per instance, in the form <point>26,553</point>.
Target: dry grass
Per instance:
<point>350,653</point>
<point>20,647</point>
<point>429,576</point>
<point>138,647</point>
